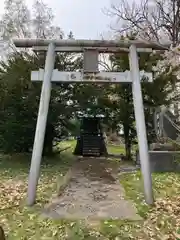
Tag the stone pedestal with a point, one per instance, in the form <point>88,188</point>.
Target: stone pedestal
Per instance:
<point>163,161</point>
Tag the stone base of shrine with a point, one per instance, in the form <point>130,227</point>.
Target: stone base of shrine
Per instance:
<point>163,161</point>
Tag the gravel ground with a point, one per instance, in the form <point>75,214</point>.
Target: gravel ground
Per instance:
<point>93,192</point>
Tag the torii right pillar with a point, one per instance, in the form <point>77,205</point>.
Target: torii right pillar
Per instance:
<point>140,124</point>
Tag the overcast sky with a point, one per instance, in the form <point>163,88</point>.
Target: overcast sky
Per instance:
<point>84,18</point>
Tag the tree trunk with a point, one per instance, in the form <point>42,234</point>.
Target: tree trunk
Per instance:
<point>2,234</point>
<point>48,142</point>
<point>128,149</point>
<point>127,140</point>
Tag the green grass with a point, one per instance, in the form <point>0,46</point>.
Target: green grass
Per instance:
<point>162,219</point>
<point>21,222</point>
<point>113,149</point>
<point>15,217</point>
<point>67,143</point>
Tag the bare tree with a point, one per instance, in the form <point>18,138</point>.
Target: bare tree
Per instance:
<point>156,20</point>
<point>20,22</point>
<point>151,19</point>
<point>42,22</point>
<point>16,19</point>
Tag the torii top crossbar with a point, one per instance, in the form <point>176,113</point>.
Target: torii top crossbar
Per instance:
<point>80,45</point>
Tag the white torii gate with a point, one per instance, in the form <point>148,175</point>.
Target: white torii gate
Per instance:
<point>91,50</point>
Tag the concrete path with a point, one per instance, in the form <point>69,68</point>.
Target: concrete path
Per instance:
<point>93,192</point>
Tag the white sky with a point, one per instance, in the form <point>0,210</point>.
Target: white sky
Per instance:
<point>84,18</point>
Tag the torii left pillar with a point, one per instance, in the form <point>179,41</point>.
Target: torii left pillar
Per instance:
<point>41,125</point>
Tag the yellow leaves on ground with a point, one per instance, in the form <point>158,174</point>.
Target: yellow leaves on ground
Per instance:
<point>12,193</point>
<point>163,221</point>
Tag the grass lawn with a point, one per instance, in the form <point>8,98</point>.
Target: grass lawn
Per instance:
<point>21,222</point>
<point>66,144</point>
<point>162,221</point>
<point>114,149</point>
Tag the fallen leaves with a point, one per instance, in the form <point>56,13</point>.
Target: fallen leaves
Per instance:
<point>164,220</point>
<point>12,193</point>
